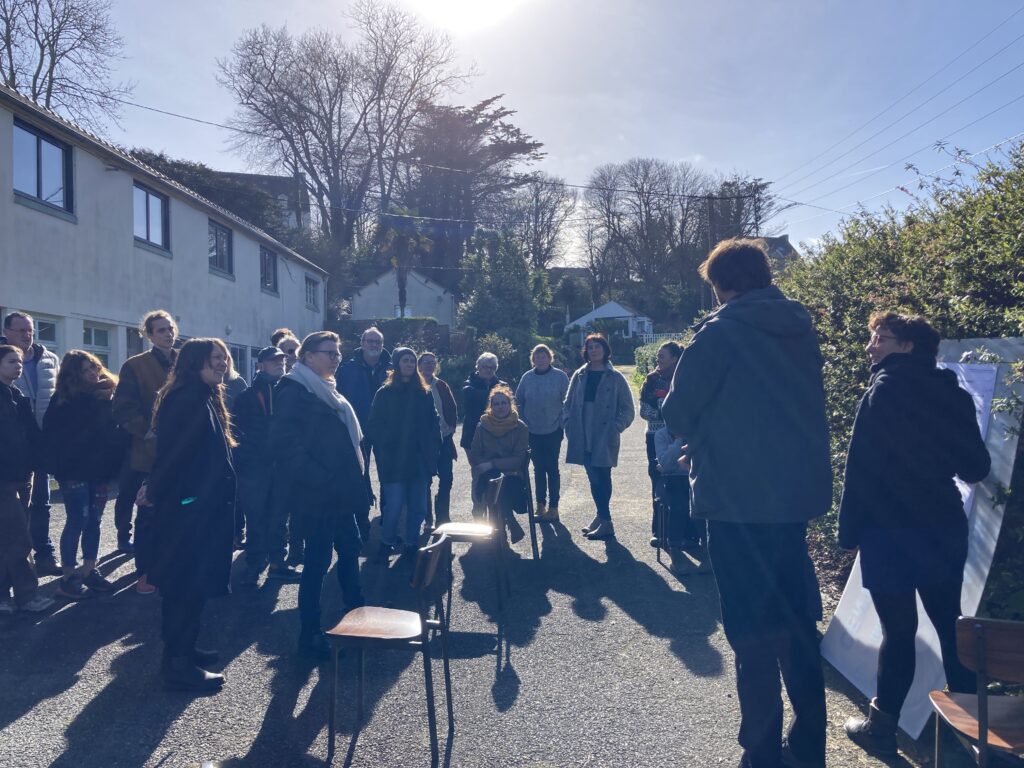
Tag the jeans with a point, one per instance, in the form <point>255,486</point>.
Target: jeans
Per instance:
<point>326,530</point>
<point>445,478</point>
<point>39,514</point>
<point>600,486</point>
<point>544,451</point>
<point>266,517</point>
<point>770,603</point>
<point>179,627</point>
<point>128,484</point>
<point>413,495</point>
<point>83,503</point>
<point>897,612</point>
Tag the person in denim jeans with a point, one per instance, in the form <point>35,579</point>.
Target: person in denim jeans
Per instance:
<point>84,448</point>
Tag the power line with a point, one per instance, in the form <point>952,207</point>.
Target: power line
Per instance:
<point>913,90</point>
<point>913,130</point>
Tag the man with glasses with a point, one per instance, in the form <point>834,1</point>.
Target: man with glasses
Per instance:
<point>38,382</point>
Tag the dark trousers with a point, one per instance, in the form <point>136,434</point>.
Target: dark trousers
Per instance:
<point>39,514</point>
<point>128,484</point>
<point>266,517</point>
<point>600,487</point>
<point>513,492</point>
<point>16,571</point>
<point>770,603</point>
<point>324,531</point>
<point>441,504</point>
<point>179,629</point>
<point>544,451</point>
<point>652,464</point>
<point>897,612</point>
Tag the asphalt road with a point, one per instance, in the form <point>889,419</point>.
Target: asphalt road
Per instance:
<point>607,660</point>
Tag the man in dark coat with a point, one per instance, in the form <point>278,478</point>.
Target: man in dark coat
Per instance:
<point>254,464</point>
<point>915,430</point>
<point>748,399</point>
<point>476,391</point>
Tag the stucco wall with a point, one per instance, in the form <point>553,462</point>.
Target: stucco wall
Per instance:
<point>93,270</point>
<point>423,299</point>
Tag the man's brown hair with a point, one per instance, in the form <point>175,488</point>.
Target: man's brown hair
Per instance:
<point>146,326</point>
<point>312,342</point>
<point>912,328</point>
<point>739,264</point>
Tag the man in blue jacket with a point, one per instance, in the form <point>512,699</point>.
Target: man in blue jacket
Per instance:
<point>748,399</point>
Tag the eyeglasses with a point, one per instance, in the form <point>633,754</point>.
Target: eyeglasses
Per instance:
<point>877,338</point>
<point>330,353</point>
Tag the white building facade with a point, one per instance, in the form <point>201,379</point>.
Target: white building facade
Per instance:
<point>423,298</point>
<point>91,239</point>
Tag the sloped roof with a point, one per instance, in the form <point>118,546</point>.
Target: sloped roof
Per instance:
<point>596,313</point>
<point>416,272</point>
<point>113,153</point>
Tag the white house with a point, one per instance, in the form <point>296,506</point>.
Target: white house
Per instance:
<point>424,298</point>
<point>91,239</point>
<point>636,323</point>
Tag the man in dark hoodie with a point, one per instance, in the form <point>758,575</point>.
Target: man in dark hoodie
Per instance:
<point>915,429</point>
<point>360,377</point>
<point>747,395</point>
<point>254,466</point>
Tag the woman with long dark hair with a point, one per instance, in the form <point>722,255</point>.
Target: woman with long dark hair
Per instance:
<point>447,417</point>
<point>192,488</point>
<point>84,449</point>
<point>598,408</point>
<point>406,437</point>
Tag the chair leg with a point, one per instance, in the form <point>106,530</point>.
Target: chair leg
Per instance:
<point>534,549</point>
<point>499,573</point>
<point>451,589</point>
<point>447,669</point>
<point>333,707</point>
<point>431,715</point>
<point>938,740</point>
<point>361,661</point>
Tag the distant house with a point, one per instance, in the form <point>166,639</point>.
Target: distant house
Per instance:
<point>636,324</point>
<point>424,298</point>
<point>289,192</point>
<point>780,251</point>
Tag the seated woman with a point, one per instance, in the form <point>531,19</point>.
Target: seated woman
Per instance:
<point>500,446</point>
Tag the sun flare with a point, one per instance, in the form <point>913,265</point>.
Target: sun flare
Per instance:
<point>462,17</point>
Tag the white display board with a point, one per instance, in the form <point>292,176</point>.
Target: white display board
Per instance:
<point>854,634</point>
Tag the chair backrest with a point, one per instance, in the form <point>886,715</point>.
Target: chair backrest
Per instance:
<point>993,646</point>
<point>426,563</point>
<point>493,492</point>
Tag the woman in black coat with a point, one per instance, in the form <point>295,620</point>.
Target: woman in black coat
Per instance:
<point>406,438</point>
<point>192,487</point>
<point>84,450</point>
<point>314,438</point>
<point>915,430</point>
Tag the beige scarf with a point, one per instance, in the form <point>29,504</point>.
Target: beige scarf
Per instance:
<point>324,390</point>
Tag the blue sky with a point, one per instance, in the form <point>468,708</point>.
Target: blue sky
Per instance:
<point>732,85</point>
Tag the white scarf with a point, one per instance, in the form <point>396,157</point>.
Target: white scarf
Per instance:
<point>325,391</point>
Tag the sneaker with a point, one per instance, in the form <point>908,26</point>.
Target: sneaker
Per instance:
<point>46,565</point>
<point>6,606</point>
<point>37,604</point>
<point>604,530</point>
<point>72,588</point>
<point>283,572</point>
<point>95,581</point>
<point>550,515</point>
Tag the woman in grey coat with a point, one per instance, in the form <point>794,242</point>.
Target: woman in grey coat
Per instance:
<point>598,408</point>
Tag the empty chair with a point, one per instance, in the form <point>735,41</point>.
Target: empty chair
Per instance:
<point>994,650</point>
<point>374,627</point>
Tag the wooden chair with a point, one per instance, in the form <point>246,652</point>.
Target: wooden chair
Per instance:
<point>481,533</point>
<point>530,515</point>
<point>994,650</point>
<point>374,627</point>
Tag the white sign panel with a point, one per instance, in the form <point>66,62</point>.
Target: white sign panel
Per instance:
<point>854,635</point>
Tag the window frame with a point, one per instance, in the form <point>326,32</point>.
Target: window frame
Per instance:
<point>67,167</point>
<point>274,288</point>
<point>314,283</point>
<point>165,216</point>
<point>212,229</point>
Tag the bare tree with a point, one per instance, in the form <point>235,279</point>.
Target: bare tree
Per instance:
<point>59,53</point>
<point>538,215</point>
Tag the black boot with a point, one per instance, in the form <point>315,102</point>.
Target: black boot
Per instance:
<point>441,509</point>
<point>181,674</point>
<point>875,733</point>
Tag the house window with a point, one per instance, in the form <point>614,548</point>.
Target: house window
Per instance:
<point>408,311</point>
<point>96,339</point>
<point>253,354</point>
<point>42,167</point>
<point>312,293</point>
<point>221,258</point>
<point>151,216</point>
<point>268,270</point>
<point>239,358</point>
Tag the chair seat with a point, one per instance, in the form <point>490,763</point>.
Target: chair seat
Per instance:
<point>1005,717</point>
<point>374,623</point>
<point>463,531</point>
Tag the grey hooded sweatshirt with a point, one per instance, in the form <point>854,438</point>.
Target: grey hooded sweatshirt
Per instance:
<point>748,397</point>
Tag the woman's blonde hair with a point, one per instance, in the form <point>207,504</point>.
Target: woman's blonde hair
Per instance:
<point>501,389</point>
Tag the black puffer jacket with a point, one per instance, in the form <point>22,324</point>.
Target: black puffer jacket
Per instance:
<point>81,440</point>
<point>915,430</point>
<point>405,433</point>
<point>19,436</point>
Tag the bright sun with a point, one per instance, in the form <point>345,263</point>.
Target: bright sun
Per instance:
<point>465,16</point>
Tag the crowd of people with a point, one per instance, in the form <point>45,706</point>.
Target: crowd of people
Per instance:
<point>737,449</point>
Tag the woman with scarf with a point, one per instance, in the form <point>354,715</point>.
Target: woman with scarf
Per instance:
<point>500,446</point>
<point>192,492</point>
<point>84,449</point>
<point>315,440</point>
<point>406,438</point>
